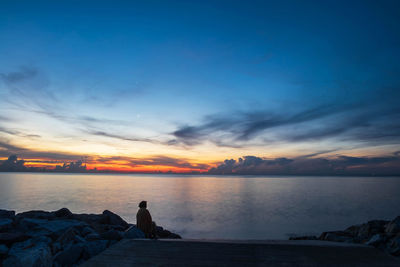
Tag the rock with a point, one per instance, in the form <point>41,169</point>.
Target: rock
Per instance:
<point>5,224</point>
<point>375,240</point>
<point>67,238</point>
<point>56,247</point>
<point>112,242</point>
<point>117,227</point>
<point>133,232</point>
<point>363,232</point>
<point>87,230</point>
<point>55,227</point>
<point>36,214</point>
<point>91,219</point>
<point>313,237</point>
<point>337,236</point>
<point>3,250</point>
<point>115,219</point>
<point>163,234</point>
<point>69,256</point>
<point>64,212</point>
<point>393,227</point>
<point>393,246</point>
<point>112,235</point>
<point>42,239</point>
<point>93,236</point>
<point>7,214</point>
<point>10,238</point>
<point>28,253</point>
<point>79,239</point>
<point>92,248</point>
<point>174,236</point>
<point>167,234</point>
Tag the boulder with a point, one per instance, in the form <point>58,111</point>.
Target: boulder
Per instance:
<point>64,213</point>
<point>10,238</point>
<point>167,234</point>
<point>174,236</point>
<point>36,214</point>
<point>363,232</point>
<point>375,240</point>
<point>115,219</point>
<point>133,232</point>
<point>93,236</point>
<point>28,253</point>
<point>67,238</point>
<point>394,246</point>
<point>3,250</point>
<point>112,235</point>
<point>163,234</point>
<point>56,247</point>
<point>337,236</point>
<point>87,230</point>
<point>393,227</point>
<point>91,219</point>
<point>69,256</point>
<point>308,237</point>
<point>79,239</point>
<point>92,248</point>
<point>42,239</point>
<point>54,228</point>
<point>5,224</point>
<point>8,214</point>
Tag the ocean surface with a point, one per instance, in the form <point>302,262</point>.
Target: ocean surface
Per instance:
<point>213,206</point>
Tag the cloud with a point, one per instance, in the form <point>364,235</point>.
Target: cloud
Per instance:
<point>244,126</point>
<point>13,164</point>
<point>365,123</point>
<point>168,161</point>
<point>339,165</point>
<point>156,160</point>
<point>25,73</point>
<point>121,137</point>
<point>7,149</point>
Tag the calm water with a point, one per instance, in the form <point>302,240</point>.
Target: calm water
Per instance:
<point>213,207</point>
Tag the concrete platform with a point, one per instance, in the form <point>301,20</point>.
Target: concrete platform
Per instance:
<point>141,252</point>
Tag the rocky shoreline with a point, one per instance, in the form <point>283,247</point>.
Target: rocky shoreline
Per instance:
<point>61,238</point>
<point>384,235</point>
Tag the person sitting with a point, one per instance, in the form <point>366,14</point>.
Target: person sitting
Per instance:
<point>144,221</point>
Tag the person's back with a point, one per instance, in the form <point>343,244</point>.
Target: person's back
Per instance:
<point>144,220</point>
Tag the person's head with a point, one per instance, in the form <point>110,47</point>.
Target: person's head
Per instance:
<point>143,204</point>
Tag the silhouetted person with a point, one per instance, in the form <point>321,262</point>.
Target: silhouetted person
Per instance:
<point>144,221</point>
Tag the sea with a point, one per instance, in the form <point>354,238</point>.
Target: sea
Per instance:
<point>213,207</point>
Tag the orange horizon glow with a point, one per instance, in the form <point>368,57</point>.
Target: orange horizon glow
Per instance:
<point>114,166</point>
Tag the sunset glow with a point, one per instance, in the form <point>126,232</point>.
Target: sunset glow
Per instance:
<point>131,87</point>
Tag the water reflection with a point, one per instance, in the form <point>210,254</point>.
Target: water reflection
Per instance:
<point>212,207</point>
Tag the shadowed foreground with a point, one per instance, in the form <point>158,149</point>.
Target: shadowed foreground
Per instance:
<point>139,252</point>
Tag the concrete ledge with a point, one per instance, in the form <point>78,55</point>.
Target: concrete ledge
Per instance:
<point>135,252</point>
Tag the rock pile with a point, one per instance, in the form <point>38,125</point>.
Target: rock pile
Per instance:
<point>381,234</point>
<point>61,238</point>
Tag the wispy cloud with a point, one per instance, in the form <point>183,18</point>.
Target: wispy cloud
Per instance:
<point>375,123</point>
<point>122,137</point>
<point>7,149</point>
<point>23,74</point>
<point>156,160</point>
<point>339,165</point>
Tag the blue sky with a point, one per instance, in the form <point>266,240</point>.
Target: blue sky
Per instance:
<point>188,79</point>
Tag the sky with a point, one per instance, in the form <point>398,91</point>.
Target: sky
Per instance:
<point>264,87</point>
